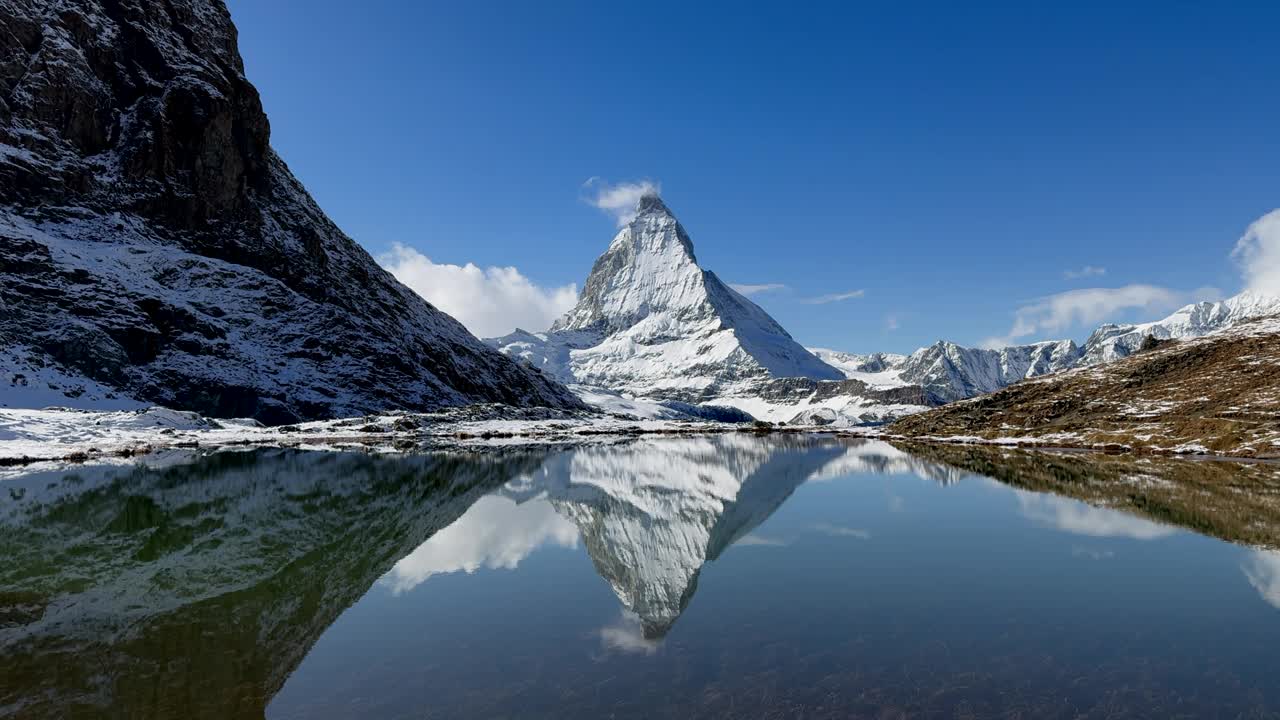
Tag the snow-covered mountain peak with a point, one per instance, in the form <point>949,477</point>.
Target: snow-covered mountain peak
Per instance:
<point>649,267</point>
<point>652,323</point>
<point>651,203</point>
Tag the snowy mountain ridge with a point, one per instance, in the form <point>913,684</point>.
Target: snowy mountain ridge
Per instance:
<point>652,324</point>
<point>949,372</point>
<point>1112,342</point>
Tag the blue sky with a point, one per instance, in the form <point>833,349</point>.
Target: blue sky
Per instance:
<point>952,161</point>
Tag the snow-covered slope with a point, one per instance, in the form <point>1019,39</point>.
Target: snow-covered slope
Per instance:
<point>879,370</point>
<point>1112,342</point>
<point>651,323</point>
<point>949,372</point>
<point>31,380</point>
<point>154,246</point>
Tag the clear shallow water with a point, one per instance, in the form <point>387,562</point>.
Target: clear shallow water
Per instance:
<point>734,576</point>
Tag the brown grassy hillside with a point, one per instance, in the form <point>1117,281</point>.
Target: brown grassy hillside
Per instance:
<point>1217,394</point>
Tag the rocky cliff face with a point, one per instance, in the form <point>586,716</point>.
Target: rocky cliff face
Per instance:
<point>949,372</point>
<point>151,239</point>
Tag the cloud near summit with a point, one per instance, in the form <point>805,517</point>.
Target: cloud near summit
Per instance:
<point>1258,254</point>
<point>490,301</point>
<point>619,200</point>
<point>749,289</point>
<point>1087,307</point>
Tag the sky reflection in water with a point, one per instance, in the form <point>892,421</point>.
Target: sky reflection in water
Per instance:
<point>727,576</point>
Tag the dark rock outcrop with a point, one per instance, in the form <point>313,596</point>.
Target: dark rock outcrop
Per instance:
<point>151,239</point>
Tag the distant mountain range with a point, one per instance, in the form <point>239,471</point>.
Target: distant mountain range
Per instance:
<point>949,372</point>
<point>1218,392</point>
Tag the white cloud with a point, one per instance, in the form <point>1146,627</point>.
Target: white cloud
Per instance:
<point>835,297</point>
<point>619,200</point>
<point>627,635</point>
<point>494,533</point>
<point>750,290</point>
<point>1079,518</point>
<point>756,540</point>
<point>1263,572</point>
<point>489,301</point>
<point>1258,253</point>
<point>842,531</point>
<point>892,322</point>
<point>1087,271</point>
<point>1092,306</point>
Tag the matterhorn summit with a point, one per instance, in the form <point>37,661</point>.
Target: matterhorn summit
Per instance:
<point>652,323</point>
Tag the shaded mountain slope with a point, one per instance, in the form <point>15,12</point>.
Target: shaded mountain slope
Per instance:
<point>153,242</point>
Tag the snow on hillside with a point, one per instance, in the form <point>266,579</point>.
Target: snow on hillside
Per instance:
<point>813,410</point>
<point>879,370</point>
<point>949,372</point>
<point>652,323</point>
<point>29,381</point>
<point>1112,342</point>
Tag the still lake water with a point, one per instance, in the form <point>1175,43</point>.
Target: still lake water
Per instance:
<point>728,576</point>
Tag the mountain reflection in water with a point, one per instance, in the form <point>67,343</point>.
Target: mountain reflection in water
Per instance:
<point>195,585</point>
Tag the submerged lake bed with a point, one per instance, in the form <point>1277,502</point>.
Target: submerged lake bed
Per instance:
<point>732,575</point>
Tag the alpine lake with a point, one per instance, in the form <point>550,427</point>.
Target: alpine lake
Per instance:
<point>721,576</point>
